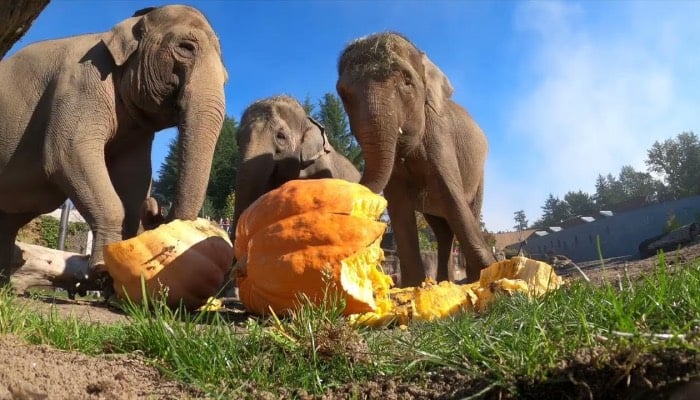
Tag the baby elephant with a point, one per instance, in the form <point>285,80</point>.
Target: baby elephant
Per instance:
<point>278,142</point>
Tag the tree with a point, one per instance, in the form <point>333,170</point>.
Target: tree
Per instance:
<point>16,17</point>
<point>608,192</point>
<point>164,186</point>
<point>222,177</point>
<point>426,237</point>
<point>308,105</point>
<point>520,220</point>
<point>678,162</point>
<point>580,203</point>
<point>554,212</point>
<point>229,207</point>
<point>332,115</point>
<point>635,184</point>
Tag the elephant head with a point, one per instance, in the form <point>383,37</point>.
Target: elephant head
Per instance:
<point>277,142</point>
<point>390,90</point>
<point>169,72</point>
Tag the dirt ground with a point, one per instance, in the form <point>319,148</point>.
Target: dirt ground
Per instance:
<point>42,372</point>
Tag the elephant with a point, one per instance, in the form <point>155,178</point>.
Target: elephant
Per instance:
<point>423,150</point>
<point>279,142</point>
<point>78,117</point>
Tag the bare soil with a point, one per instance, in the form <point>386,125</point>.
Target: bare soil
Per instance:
<point>42,372</point>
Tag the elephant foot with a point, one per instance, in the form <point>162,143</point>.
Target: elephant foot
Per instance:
<point>96,279</point>
<point>40,266</point>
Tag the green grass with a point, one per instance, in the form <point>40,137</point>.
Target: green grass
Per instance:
<point>518,341</point>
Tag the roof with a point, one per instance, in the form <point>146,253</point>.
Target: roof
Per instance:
<point>507,238</point>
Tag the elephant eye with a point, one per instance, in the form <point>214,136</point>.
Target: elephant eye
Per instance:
<point>186,48</point>
<point>280,135</point>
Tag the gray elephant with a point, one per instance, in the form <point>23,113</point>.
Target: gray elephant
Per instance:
<point>279,142</point>
<point>421,148</point>
<point>78,117</point>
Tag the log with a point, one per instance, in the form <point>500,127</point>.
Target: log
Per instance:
<point>16,17</point>
<point>41,266</point>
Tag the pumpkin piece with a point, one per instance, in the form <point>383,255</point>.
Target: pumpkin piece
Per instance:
<point>189,258</point>
<point>308,254</point>
<point>333,196</point>
<point>434,301</point>
<point>439,300</point>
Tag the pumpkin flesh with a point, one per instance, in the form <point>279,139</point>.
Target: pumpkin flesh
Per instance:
<point>189,258</point>
<point>307,237</point>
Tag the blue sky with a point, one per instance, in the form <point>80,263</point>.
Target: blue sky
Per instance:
<point>563,90</point>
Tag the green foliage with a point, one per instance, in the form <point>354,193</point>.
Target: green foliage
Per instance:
<point>77,227</point>
<point>208,209</point>
<point>222,178</point>
<point>332,115</point>
<point>49,228</point>
<point>580,203</point>
<point>229,206</point>
<point>308,106</point>
<point>554,212</point>
<point>520,220</point>
<point>629,185</point>
<point>164,187</point>
<point>426,237</point>
<point>678,161</point>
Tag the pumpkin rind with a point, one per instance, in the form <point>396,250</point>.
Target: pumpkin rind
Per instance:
<point>333,196</point>
<point>189,258</point>
<point>309,236</point>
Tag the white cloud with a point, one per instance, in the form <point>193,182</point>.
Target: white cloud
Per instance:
<point>594,97</point>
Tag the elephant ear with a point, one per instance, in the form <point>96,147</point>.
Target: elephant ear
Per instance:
<point>314,143</point>
<point>123,40</point>
<point>437,86</point>
<point>326,143</point>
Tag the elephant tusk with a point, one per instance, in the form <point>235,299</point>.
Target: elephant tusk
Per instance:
<point>400,131</point>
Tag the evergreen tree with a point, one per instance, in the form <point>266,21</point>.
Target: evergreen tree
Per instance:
<point>520,220</point>
<point>580,203</point>
<point>222,177</point>
<point>608,192</point>
<point>554,212</point>
<point>308,105</point>
<point>635,184</point>
<point>332,115</point>
<point>678,162</point>
<point>164,187</point>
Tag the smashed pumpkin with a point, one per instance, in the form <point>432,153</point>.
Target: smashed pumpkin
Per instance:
<point>307,237</point>
<point>188,260</point>
<point>433,300</point>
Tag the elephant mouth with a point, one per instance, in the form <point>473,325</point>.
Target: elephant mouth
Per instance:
<point>304,164</point>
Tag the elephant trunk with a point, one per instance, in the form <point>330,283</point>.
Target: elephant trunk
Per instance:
<point>252,181</point>
<point>378,139</point>
<point>201,119</point>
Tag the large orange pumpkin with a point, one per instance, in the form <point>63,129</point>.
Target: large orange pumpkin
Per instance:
<point>187,259</point>
<point>309,236</point>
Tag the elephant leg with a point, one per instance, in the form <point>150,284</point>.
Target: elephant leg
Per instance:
<point>10,224</point>
<point>131,176</point>
<point>463,219</point>
<point>88,185</point>
<point>403,223</point>
<point>444,236</point>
